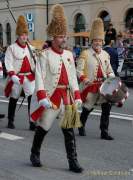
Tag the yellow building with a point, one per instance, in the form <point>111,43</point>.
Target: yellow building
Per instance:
<point>80,14</point>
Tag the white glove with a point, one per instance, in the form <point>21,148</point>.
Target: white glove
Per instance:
<point>15,79</point>
<point>45,103</point>
<point>78,104</point>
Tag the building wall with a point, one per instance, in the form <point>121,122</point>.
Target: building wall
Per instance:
<point>89,8</point>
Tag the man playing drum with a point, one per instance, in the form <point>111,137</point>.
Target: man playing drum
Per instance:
<point>92,69</point>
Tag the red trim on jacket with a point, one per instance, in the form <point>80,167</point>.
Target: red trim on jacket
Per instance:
<point>61,93</point>
<point>8,88</point>
<point>37,114</point>
<point>41,94</point>
<point>25,66</point>
<point>63,76</point>
<point>56,51</point>
<point>77,95</point>
<point>11,73</point>
<point>20,45</point>
<point>94,88</point>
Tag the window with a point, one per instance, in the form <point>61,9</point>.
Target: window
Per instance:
<point>79,27</point>
<point>8,33</point>
<point>1,35</point>
<point>129,19</point>
<point>104,15</point>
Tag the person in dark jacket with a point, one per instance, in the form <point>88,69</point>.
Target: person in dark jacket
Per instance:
<point>111,33</point>
<point>113,55</point>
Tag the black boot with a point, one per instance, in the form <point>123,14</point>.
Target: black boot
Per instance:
<point>11,112</point>
<point>71,150</point>
<point>36,146</point>
<point>104,121</point>
<point>32,125</point>
<point>83,119</point>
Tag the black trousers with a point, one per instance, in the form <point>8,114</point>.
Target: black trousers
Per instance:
<point>104,120</point>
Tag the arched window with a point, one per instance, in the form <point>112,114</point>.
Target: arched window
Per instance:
<point>1,35</point>
<point>129,19</point>
<point>8,33</point>
<point>79,27</point>
<point>79,23</point>
<point>104,15</point>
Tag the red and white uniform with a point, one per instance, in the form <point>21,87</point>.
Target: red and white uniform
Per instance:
<point>89,68</point>
<point>1,71</point>
<point>53,70</point>
<point>19,62</point>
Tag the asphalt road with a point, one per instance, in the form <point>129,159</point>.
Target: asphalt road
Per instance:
<point>102,160</point>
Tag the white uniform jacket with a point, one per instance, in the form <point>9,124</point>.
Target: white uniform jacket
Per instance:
<point>89,62</point>
<point>48,70</point>
<point>14,58</point>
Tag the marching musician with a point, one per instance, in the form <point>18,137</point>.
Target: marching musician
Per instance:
<point>20,68</point>
<point>55,72</point>
<point>93,67</point>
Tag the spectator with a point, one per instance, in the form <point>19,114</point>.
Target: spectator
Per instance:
<point>120,46</point>
<point>110,33</point>
<point>77,50</point>
<point>47,44</point>
<point>113,55</point>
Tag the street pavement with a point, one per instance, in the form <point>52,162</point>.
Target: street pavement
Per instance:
<point>102,160</point>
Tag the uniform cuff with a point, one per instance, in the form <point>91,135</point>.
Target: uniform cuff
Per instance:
<point>11,73</point>
<point>77,95</point>
<point>41,95</point>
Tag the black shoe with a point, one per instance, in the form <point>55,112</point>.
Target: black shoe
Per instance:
<point>11,125</point>
<point>82,131</point>
<point>32,126</point>
<point>35,160</point>
<point>74,166</point>
<point>106,137</point>
<point>2,116</point>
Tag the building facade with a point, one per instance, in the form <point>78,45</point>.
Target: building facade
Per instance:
<point>80,14</point>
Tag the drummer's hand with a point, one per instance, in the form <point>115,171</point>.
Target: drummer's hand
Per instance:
<point>86,81</point>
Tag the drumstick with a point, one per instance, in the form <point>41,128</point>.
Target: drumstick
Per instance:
<point>90,84</point>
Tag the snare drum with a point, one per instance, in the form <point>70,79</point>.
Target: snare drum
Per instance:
<point>114,90</point>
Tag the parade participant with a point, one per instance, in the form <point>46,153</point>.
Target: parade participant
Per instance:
<point>55,72</point>
<point>93,67</point>
<point>1,76</point>
<point>20,67</point>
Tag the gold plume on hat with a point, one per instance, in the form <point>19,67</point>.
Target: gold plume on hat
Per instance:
<point>22,26</point>
<point>58,24</point>
<point>97,29</point>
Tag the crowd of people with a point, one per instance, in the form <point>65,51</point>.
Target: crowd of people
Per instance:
<point>49,80</point>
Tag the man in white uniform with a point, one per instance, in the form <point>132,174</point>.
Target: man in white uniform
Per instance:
<point>55,72</point>
<point>92,69</point>
<point>20,67</point>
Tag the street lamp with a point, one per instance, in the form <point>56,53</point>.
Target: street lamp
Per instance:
<point>47,10</point>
